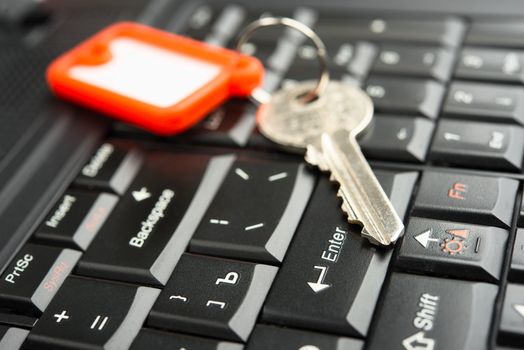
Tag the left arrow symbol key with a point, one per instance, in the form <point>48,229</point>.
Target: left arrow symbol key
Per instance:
<point>141,195</point>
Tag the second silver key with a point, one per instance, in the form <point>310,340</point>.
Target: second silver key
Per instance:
<point>327,129</point>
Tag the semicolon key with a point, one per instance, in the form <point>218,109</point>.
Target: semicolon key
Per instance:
<point>240,224</point>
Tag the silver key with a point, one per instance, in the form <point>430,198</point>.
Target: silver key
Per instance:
<point>327,129</point>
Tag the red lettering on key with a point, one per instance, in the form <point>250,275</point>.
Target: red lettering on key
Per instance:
<point>457,191</point>
<point>463,233</point>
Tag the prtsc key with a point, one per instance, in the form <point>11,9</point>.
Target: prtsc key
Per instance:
<point>156,80</point>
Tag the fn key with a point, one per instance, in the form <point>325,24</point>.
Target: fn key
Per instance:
<point>465,198</point>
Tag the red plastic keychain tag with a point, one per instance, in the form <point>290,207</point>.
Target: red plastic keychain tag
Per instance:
<point>159,81</point>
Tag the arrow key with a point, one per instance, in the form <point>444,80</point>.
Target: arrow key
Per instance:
<point>512,322</point>
<point>453,249</point>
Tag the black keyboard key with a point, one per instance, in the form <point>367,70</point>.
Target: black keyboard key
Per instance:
<point>466,198</point>
<point>357,63</point>
<point>149,339</point>
<point>511,330</point>
<point>282,57</point>
<point>231,124</point>
<point>111,168</point>
<point>151,226</point>
<point>277,338</point>
<point>428,313</point>
<point>485,102</point>
<point>261,50</point>
<point>305,15</point>
<point>16,320</point>
<point>453,249</point>
<point>76,219</point>
<point>351,57</point>
<point>446,31</point>
<point>299,73</point>
<point>397,138</point>
<point>240,224</point>
<point>496,65</point>
<point>12,338</point>
<point>21,12</point>
<point>520,222</point>
<point>517,261</point>
<point>34,276</point>
<point>226,25</point>
<point>403,95</point>
<point>199,22</point>
<point>257,140</point>
<point>478,145</point>
<point>426,62</point>
<point>315,272</point>
<point>504,33</point>
<point>92,314</point>
<point>213,297</point>
<point>398,185</point>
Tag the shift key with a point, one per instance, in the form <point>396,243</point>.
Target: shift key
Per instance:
<point>151,226</point>
<point>420,312</point>
<point>465,198</point>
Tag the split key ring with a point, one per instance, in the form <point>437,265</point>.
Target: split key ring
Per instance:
<point>261,96</point>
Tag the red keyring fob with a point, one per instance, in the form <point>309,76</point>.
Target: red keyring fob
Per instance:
<point>159,81</point>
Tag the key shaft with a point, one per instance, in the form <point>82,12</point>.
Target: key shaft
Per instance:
<point>363,199</point>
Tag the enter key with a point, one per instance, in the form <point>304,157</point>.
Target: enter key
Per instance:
<point>331,269</point>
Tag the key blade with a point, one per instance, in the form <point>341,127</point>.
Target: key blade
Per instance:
<point>314,157</point>
<point>365,202</point>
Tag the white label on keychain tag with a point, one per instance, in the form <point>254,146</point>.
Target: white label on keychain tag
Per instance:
<point>147,73</point>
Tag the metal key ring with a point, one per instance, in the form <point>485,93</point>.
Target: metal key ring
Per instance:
<point>261,96</point>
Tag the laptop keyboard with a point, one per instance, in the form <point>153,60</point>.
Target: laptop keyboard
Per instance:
<point>219,239</point>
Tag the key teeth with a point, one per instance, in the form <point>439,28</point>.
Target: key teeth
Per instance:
<point>314,157</point>
<point>373,240</point>
<point>370,238</point>
<point>352,219</point>
<point>349,212</point>
<point>311,159</point>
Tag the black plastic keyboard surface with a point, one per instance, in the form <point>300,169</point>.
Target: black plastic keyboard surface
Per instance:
<point>220,239</point>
